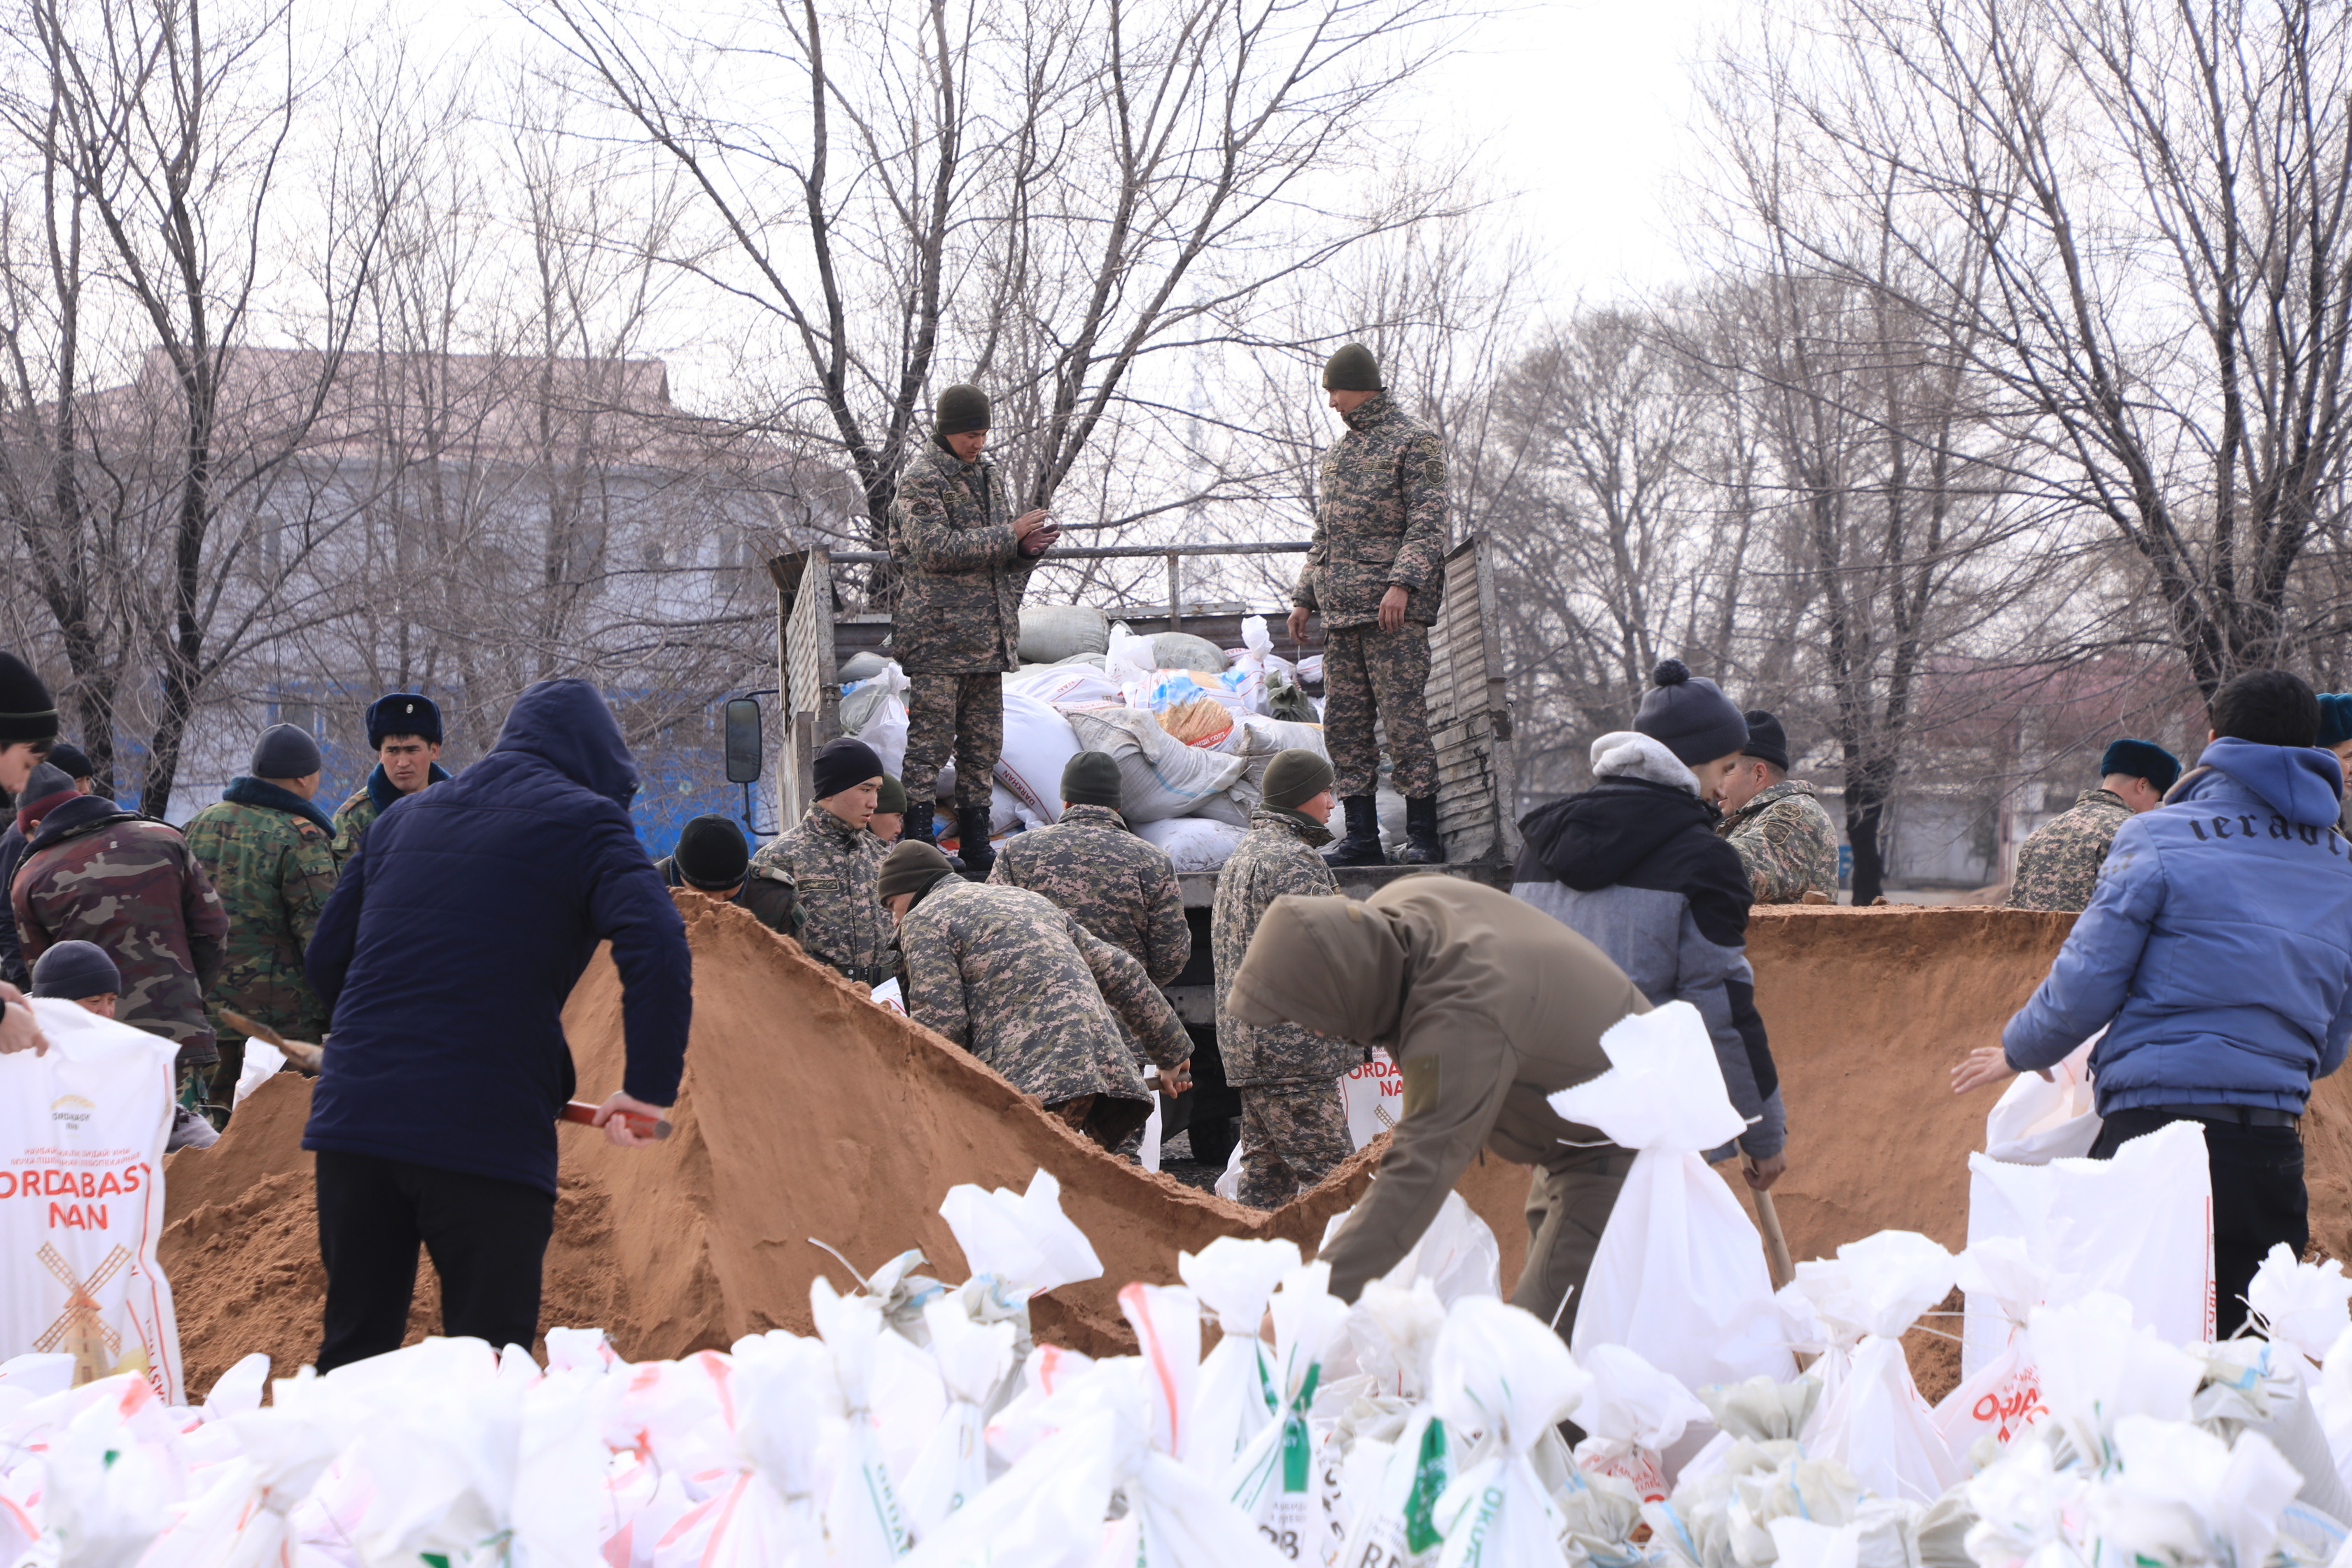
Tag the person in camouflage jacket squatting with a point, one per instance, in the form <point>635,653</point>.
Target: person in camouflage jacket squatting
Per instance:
<point>270,855</point>
<point>1294,1123</point>
<point>2058,865</point>
<point>830,862</point>
<point>1374,571</point>
<point>956,622</point>
<point>1785,839</point>
<point>403,731</point>
<point>1026,989</point>
<point>1090,864</point>
<point>94,872</point>
<point>714,858</point>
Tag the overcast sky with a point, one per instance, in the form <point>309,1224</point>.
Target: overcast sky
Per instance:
<point>1586,106</point>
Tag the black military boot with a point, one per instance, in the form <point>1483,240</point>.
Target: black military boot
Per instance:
<point>972,846</point>
<point>916,826</point>
<point>1362,847</point>
<point>1422,847</point>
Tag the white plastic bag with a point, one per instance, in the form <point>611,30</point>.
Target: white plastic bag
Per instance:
<point>2139,1225</point>
<point>1234,1399</point>
<point>875,711</point>
<point>1374,1094</point>
<point>2302,1306</point>
<point>1873,1421</point>
<point>2003,1397</point>
<point>1060,684</point>
<point>1022,1238</point>
<point>1038,743</point>
<point>1504,1373</point>
<point>952,1467</point>
<point>1272,1480</point>
<point>1457,1255</point>
<point>1679,1276</point>
<point>262,1061</point>
<point>2036,1120</point>
<point>1632,1414</point>
<point>81,1198</point>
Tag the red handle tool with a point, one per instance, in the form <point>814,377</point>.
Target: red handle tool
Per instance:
<point>645,1126</point>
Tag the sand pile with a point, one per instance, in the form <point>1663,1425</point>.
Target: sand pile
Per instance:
<point>807,1113</point>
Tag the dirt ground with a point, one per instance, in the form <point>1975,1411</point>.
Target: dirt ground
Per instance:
<point>808,1115</point>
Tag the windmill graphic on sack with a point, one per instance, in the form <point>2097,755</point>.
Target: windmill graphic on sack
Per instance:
<point>80,1329</point>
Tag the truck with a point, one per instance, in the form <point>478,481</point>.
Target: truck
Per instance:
<point>1469,715</point>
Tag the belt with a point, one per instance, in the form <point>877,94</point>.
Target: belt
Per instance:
<point>2235,1115</point>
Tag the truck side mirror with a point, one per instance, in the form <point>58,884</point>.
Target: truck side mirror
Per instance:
<point>745,753</point>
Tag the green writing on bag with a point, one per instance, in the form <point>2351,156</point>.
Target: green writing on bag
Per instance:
<point>1429,1477</point>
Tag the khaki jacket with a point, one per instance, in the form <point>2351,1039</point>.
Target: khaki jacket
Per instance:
<point>1485,1004</point>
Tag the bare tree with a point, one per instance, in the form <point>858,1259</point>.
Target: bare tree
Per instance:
<point>1050,199</point>
<point>2157,295</point>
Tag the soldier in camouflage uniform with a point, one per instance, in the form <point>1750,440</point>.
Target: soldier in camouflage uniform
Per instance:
<point>1026,989</point>
<point>1786,841</point>
<point>2058,865</point>
<point>403,731</point>
<point>269,855</point>
<point>1090,863</point>
<point>1374,571</point>
<point>1294,1123</point>
<point>713,858</point>
<point>956,621</point>
<point>95,872</point>
<point>830,862</point>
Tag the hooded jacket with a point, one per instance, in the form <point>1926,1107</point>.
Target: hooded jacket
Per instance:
<point>2216,947</point>
<point>1485,1006</point>
<point>458,929</point>
<point>1634,866</point>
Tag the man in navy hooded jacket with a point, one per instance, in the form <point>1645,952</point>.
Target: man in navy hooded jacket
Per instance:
<point>457,932</point>
<point>2216,954</point>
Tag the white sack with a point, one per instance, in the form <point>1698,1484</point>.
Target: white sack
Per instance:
<point>1159,775</point>
<point>2139,1225</point>
<point>1630,1414</point>
<point>1022,1238</point>
<point>1074,684</point>
<point>1457,1255</point>
<point>1504,1373</point>
<point>875,711</point>
<point>1194,843</point>
<point>2036,1120</point>
<point>1679,1276</point>
<point>1233,1278</point>
<point>1374,1094</point>
<point>1038,743</point>
<point>81,1198</point>
<point>262,1062</point>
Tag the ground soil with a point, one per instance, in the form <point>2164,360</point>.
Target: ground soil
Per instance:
<point>809,1113</point>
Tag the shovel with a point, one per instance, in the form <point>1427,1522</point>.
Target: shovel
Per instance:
<point>1775,1244</point>
<point>303,1054</point>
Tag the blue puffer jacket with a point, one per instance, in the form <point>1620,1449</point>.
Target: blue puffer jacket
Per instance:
<point>457,932</point>
<point>2218,947</point>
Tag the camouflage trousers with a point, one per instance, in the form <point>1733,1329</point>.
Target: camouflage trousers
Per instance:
<point>1368,675</point>
<point>1294,1133</point>
<point>958,714</point>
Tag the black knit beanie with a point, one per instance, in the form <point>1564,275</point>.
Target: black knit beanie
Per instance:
<point>1091,778</point>
<point>1767,741</point>
<point>712,854</point>
<point>285,751</point>
<point>844,763</point>
<point>961,408</point>
<point>74,970</point>
<point>70,761</point>
<point>27,712</point>
<point>1352,369</point>
<point>1690,716</point>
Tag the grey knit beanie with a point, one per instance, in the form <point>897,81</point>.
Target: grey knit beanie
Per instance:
<point>285,751</point>
<point>1690,716</point>
<point>1091,778</point>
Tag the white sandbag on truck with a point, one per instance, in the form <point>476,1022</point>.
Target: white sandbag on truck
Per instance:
<point>81,1199</point>
<point>1038,744</point>
<point>1194,843</point>
<point>1158,774</point>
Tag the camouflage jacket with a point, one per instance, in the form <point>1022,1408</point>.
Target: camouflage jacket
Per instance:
<point>2058,864</point>
<point>1026,988</point>
<point>367,802</point>
<point>128,883</point>
<point>271,857</point>
<point>1120,887</point>
<point>961,573</point>
<point>1277,858</point>
<point>767,891</point>
<point>1787,842</point>
<point>832,866</point>
<point>1381,520</point>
